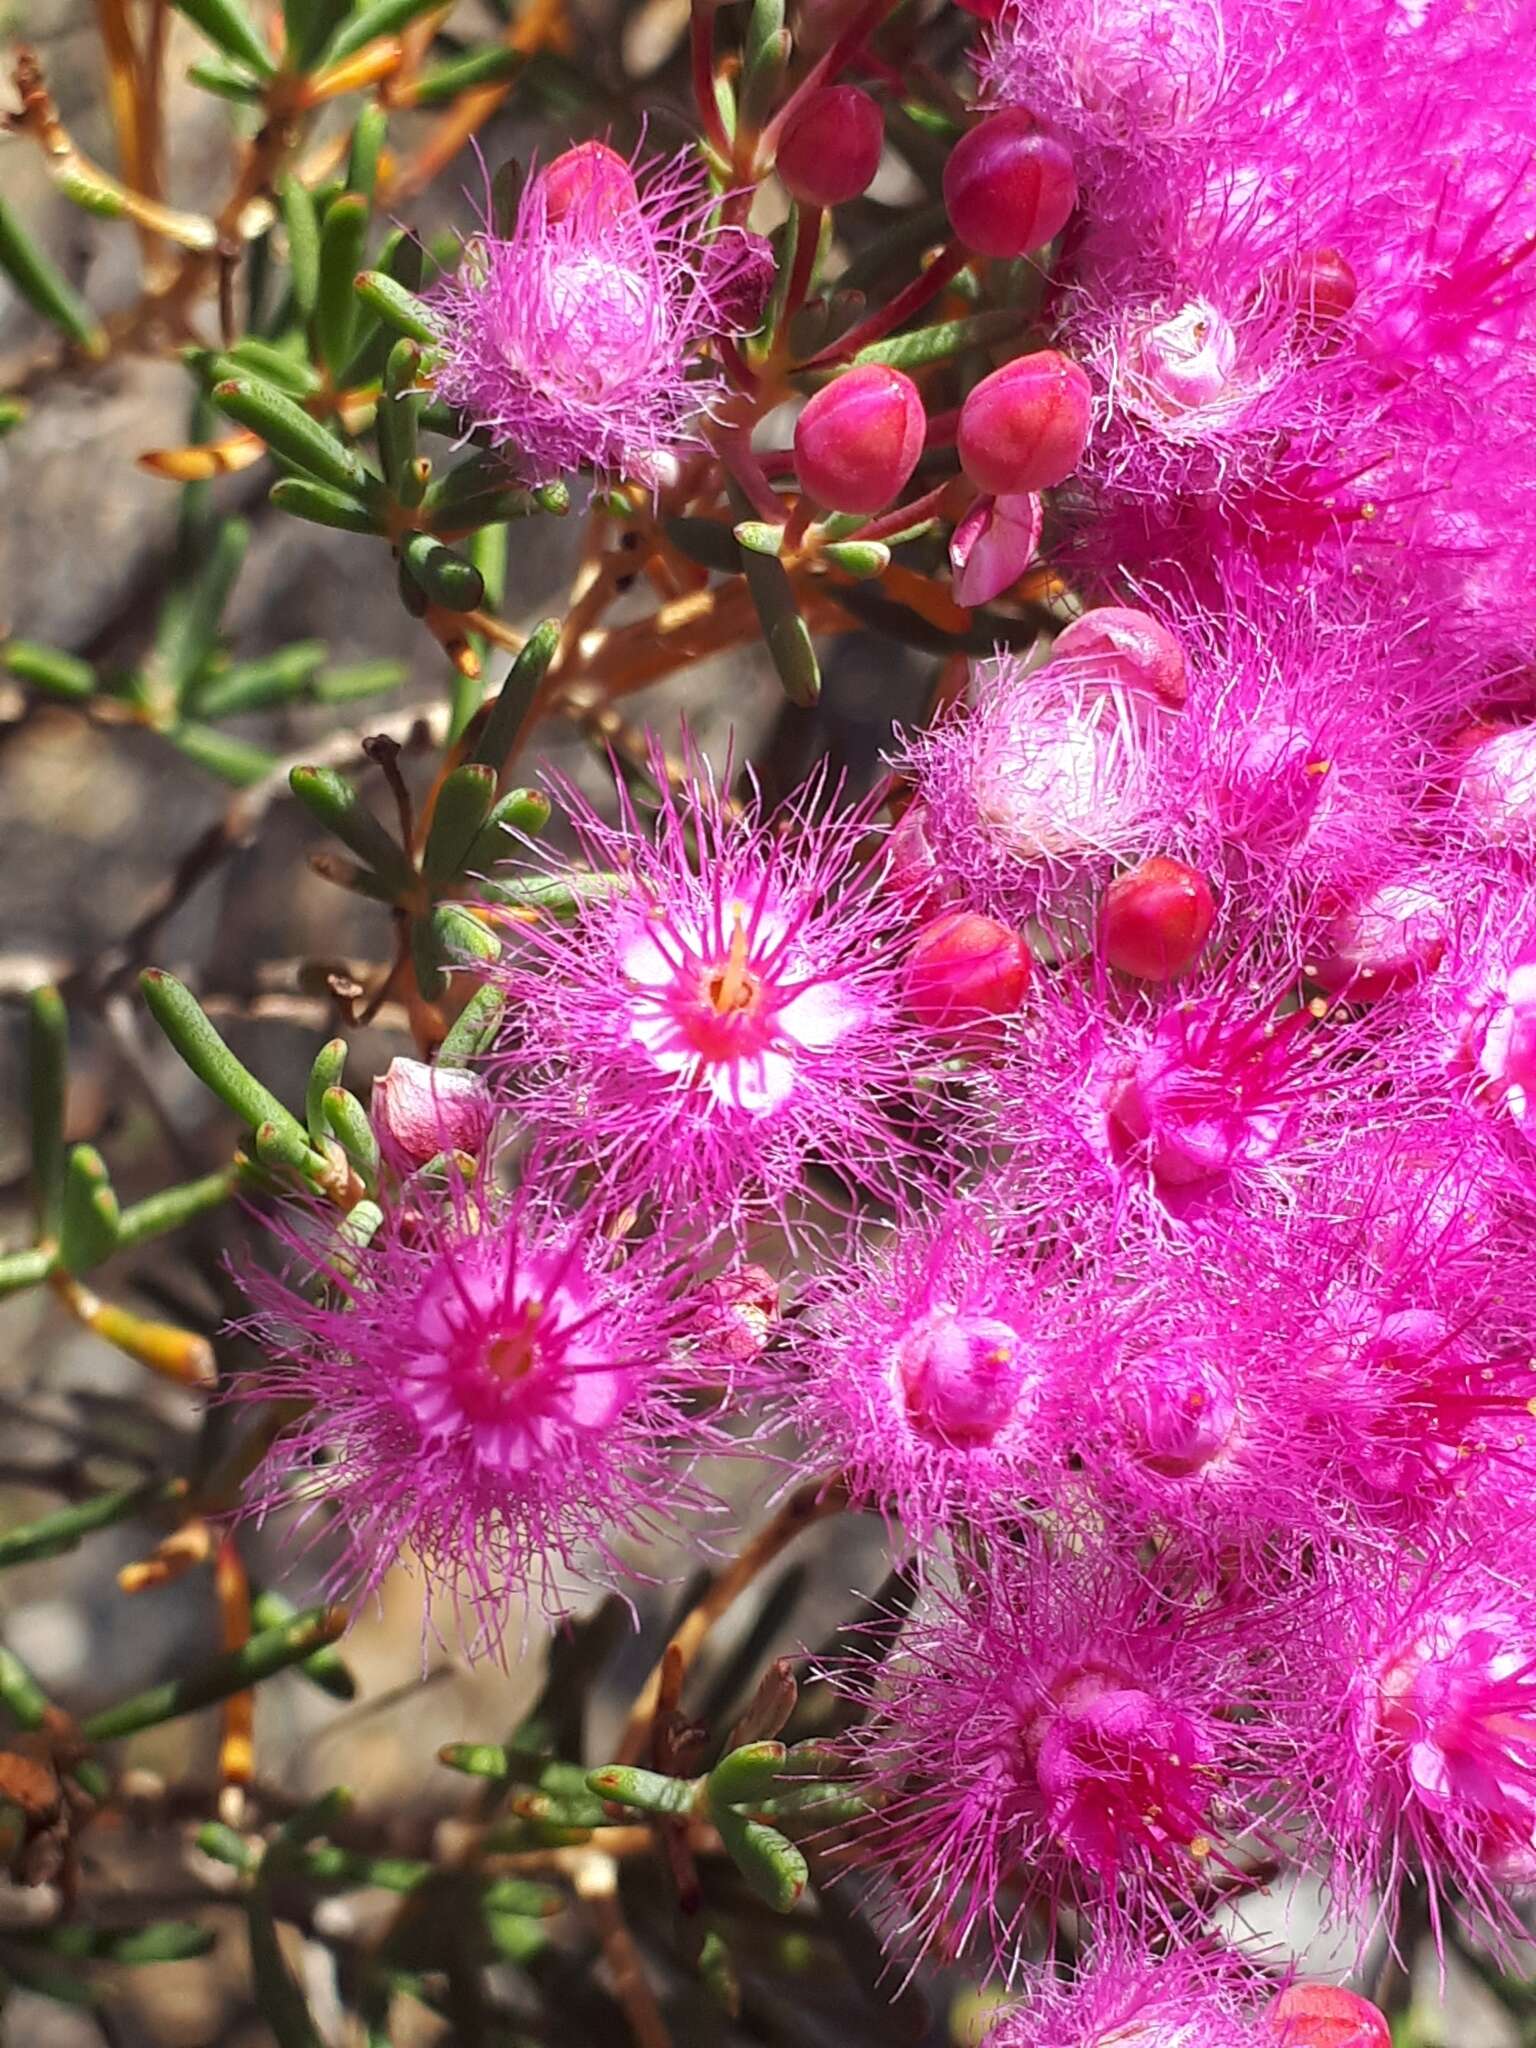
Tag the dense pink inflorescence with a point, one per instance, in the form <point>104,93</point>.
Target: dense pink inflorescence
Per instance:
<point>573,341</point>
<point>1127,1998</point>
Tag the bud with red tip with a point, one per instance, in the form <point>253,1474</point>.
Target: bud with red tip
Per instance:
<point>1126,650</point>
<point>1009,185</point>
<point>420,1111</point>
<point>1325,2016</point>
<point>1383,941</point>
<point>591,175</point>
<point>1157,919</point>
<point>912,868</point>
<point>1024,428</point>
<point>993,545</point>
<point>858,439</point>
<point>966,974</point>
<point>830,148</point>
<point>1324,287</point>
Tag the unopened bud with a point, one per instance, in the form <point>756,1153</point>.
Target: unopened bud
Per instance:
<point>993,545</point>
<point>858,439</point>
<point>912,868</point>
<point>1009,185</point>
<point>1118,648</point>
<point>590,176</point>
<point>1498,784</point>
<point>830,148</point>
<point>1383,941</point>
<point>1323,287</point>
<point>420,1111</point>
<point>1157,919</point>
<point>965,974</point>
<point>739,1312</point>
<point>1325,2016</point>
<point>1178,365</point>
<point>1024,428</point>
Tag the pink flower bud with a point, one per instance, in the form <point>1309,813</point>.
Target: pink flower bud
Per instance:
<point>1383,941</point>
<point>1178,365</point>
<point>1324,287</point>
<point>830,148</point>
<point>1325,2016</point>
<point>965,974</point>
<point>962,1376</point>
<point>1178,1413</point>
<point>739,1312</point>
<point>419,1111</point>
<point>858,439</point>
<point>1498,784</point>
<point>1024,428</point>
<point>1009,185</point>
<point>911,867</point>
<point>1157,919</point>
<point>591,175</point>
<point>1126,650</point>
<point>993,545</point>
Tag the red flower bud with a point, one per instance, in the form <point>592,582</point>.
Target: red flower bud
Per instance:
<point>419,1111</point>
<point>993,545</point>
<point>1157,919</point>
<point>592,175</point>
<point>830,148</point>
<point>1025,427</point>
<point>1325,2016</point>
<point>911,868</point>
<point>858,439</point>
<point>965,974</point>
<point>1009,185</point>
<point>1126,650</point>
<point>1324,287</point>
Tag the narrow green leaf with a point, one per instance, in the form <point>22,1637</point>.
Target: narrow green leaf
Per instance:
<point>554,895</point>
<point>348,1122</point>
<point>270,1651</point>
<point>47,1080</point>
<point>323,506</point>
<point>309,25</point>
<point>512,706</point>
<point>445,577</point>
<point>747,1776</point>
<point>303,226</point>
<point>225,1845</point>
<point>359,679</point>
<point>173,1208</point>
<point>165,1941</point>
<point>646,1791</point>
<point>278,366</point>
<point>282,1148</point>
<point>460,939</point>
<point>764,25</point>
<point>858,558</point>
<point>463,804</point>
<point>180,1016</point>
<point>776,1870</point>
<point>382,18</point>
<point>759,537</point>
<point>705,541</point>
<point>520,812</point>
<point>760,85</point>
<point>343,234</point>
<point>88,1214</point>
<point>333,800</point>
<point>937,343</point>
<point>473,1030</point>
<point>329,1065</point>
<point>480,67</point>
<point>257,685</point>
<point>326,1667</point>
<point>20,1691</point>
<point>189,621</point>
<point>281,2003</point>
<point>49,668</point>
<point>396,307</point>
<point>53,1535</point>
<point>368,137</point>
<point>228,81</point>
<point>230,29</point>
<point>18,1270</point>
<point>234,760</point>
<point>290,432</point>
<point>44,288</point>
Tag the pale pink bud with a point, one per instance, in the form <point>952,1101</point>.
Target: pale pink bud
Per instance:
<point>830,148</point>
<point>590,175</point>
<point>858,439</point>
<point>962,1375</point>
<point>1024,428</point>
<point>1325,2016</point>
<point>993,545</point>
<point>966,973</point>
<point>740,1311</point>
<point>910,864</point>
<point>1009,185</point>
<point>1384,941</point>
<point>419,1111</point>
<point>1125,650</point>
<point>1157,919</point>
<point>1498,784</point>
<point>1181,364</point>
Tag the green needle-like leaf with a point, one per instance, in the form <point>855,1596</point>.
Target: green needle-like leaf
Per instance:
<point>44,289</point>
<point>179,1014</point>
<point>348,1123</point>
<point>333,800</point>
<point>511,709</point>
<point>646,1791</point>
<point>343,234</point>
<point>747,1776</point>
<point>230,29</point>
<point>473,1030</point>
<point>326,1667</point>
<point>49,669</point>
<point>323,506</point>
<point>88,1215</point>
<point>48,1077</point>
<point>480,67</point>
<point>463,804</point>
<point>273,1650</point>
<point>53,1535</point>
<point>173,1208</point>
<point>189,621</point>
<point>257,685</point>
<point>776,1870</point>
<point>383,18</point>
<point>396,307</point>
<point>303,226</point>
<point>290,432</point>
<point>443,576</point>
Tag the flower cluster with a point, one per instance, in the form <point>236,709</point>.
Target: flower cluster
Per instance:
<point>1108,1150</point>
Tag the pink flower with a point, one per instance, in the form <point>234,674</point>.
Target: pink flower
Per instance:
<point>1484,1006</point>
<point>1060,1735</point>
<point>490,1389</point>
<point>1128,1998</point>
<point>573,342</point>
<point>928,1371</point>
<point>727,1015</point>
